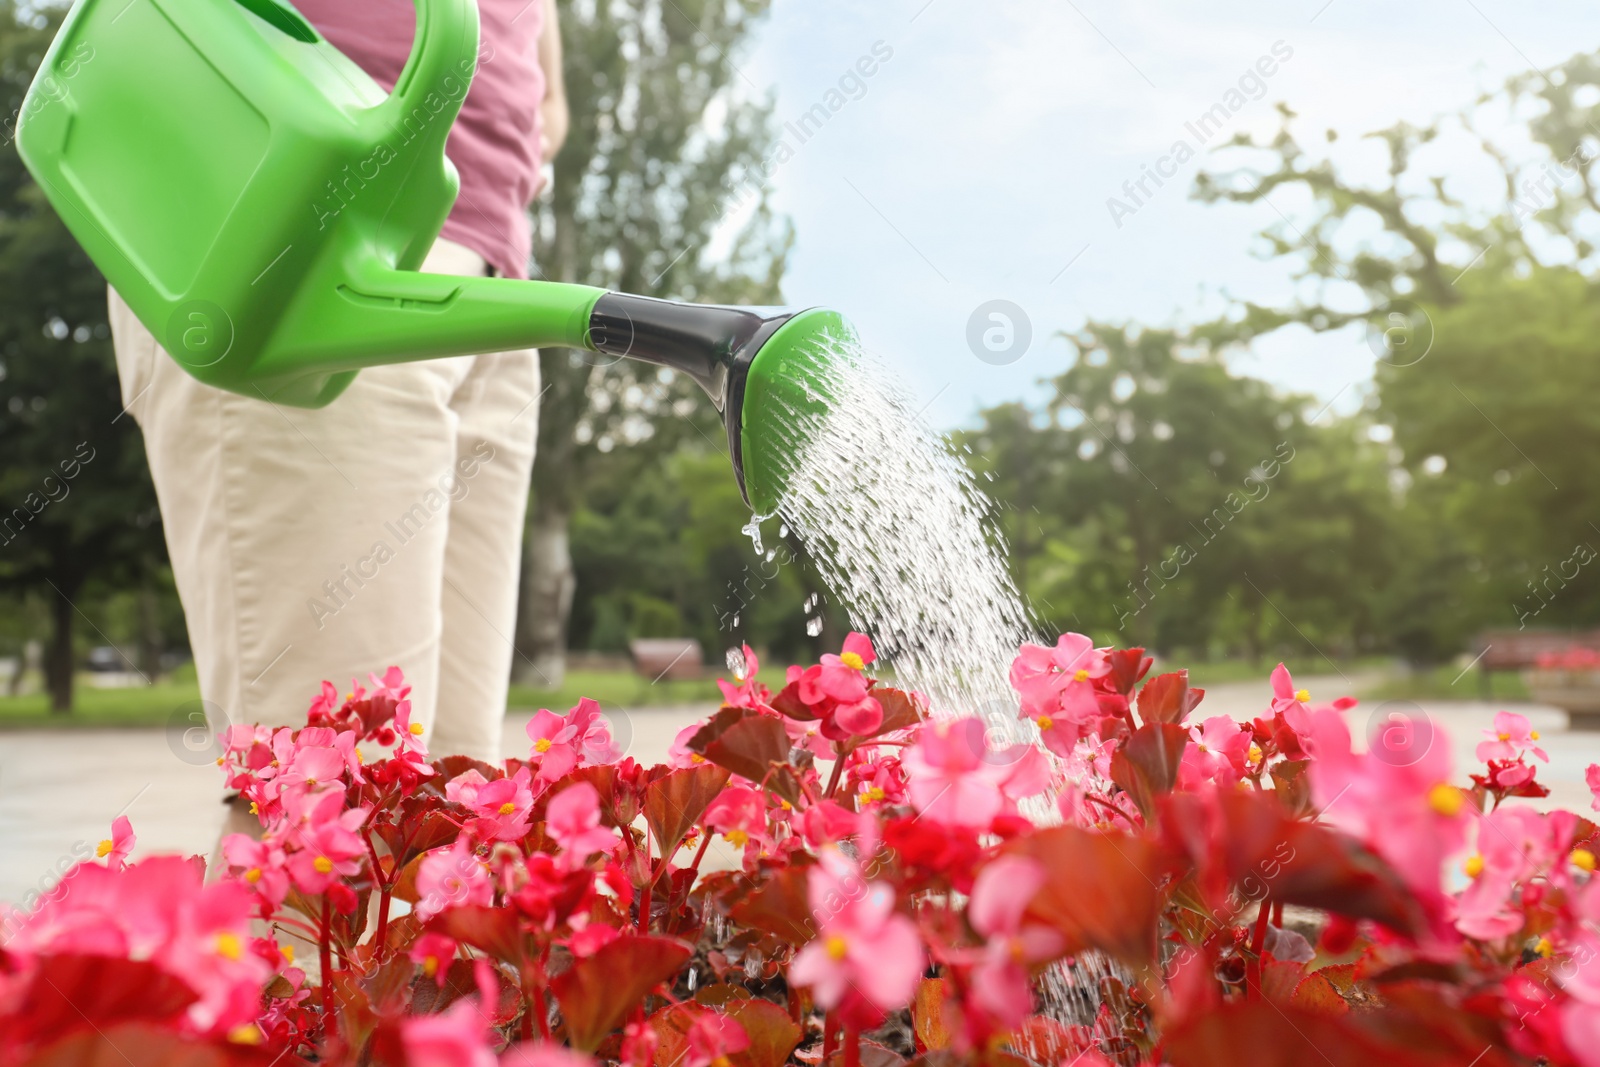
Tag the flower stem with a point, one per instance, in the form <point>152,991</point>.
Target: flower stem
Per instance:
<point>852,1046</point>
<point>830,1029</point>
<point>1257,942</point>
<point>833,779</point>
<point>325,957</point>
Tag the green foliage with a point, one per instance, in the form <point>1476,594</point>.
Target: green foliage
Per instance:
<point>78,506</point>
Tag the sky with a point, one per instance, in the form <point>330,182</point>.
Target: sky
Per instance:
<point>976,161</point>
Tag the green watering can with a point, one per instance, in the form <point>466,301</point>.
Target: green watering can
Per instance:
<point>195,149</point>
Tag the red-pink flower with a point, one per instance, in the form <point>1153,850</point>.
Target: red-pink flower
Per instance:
<point>434,952</point>
<point>502,806</point>
<point>1407,812</point>
<point>740,814</point>
<point>745,691</point>
<point>1060,680</point>
<point>321,839</point>
<point>1591,778</point>
<point>837,690</point>
<point>1000,981</point>
<point>1219,751</point>
<point>865,950</point>
<point>1512,735</point>
<point>261,865</point>
<point>158,910</point>
<point>679,755</point>
<point>592,733</point>
<point>955,779</point>
<point>456,1037</point>
<point>544,1054</point>
<point>452,877</point>
<point>713,1037</point>
<point>555,749</point>
<point>573,819</point>
<point>114,850</point>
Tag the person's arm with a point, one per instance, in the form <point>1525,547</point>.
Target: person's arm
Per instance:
<point>554,117</point>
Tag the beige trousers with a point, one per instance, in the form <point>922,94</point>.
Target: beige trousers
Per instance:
<point>384,529</point>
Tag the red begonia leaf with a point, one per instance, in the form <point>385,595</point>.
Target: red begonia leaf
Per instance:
<point>598,992</point>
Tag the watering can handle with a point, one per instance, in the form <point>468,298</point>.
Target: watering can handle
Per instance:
<point>444,56</point>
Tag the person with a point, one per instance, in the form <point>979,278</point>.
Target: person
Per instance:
<point>385,529</point>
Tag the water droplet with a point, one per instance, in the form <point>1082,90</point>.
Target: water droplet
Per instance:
<point>813,627</point>
<point>752,530</point>
<point>736,664</point>
<point>783,529</point>
<point>736,620</point>
<point>771,554</point>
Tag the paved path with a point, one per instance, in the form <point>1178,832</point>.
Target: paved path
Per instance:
<point>60,790</point>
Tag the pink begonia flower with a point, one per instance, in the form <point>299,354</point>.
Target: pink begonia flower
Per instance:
<point>1591,778</point>
<point>452,877</point>
<point>555,749</point>
<point>592,733</point>
<point>503,806</point>
<point>262,865</point>
<point>545,1054</point>
<point>1000,981</point>
<point>863,947</point>
<point>712,1038</point>
<point>310,766</point>
<point>114,850</point>
<point>740,814</point>
<point>573,819</point>
<point>679,755</point>
<point>838,688</point>
<point>434,952</point>
<point>1515,844</point>
<point>162,911</point>
<point>881,778</point>
<point>1219,752</point>
<point>744,691</point>
<point>1512,734</point>
<point>1060,680</point>
<point>591,938</point>
<point>1407,812</point>
<point>321,839</point>
<point>956,780</point>
<point>456,1037</point>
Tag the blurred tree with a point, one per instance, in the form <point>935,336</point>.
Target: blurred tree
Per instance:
<point>1485,327</point>
<point>1173,504</point>
<point>661,131</point>
<point>76,495</point>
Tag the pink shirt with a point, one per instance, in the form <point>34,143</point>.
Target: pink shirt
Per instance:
<point>495,141</point>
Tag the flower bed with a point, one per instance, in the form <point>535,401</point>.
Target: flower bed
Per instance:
<point>895,905</point>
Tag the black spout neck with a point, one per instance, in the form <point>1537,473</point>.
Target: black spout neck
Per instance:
<point>705,341</point>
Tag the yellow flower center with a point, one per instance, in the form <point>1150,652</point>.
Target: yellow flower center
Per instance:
<point>430,966</point>
<point>105,848</point>
<point>248,1034</point>
<point>542,745</point>
<point>838,948</point>
<point>253,875</point>
<point>507,808</point>
<point>323,865</point>
<point>1504,736</point>
<point>229,946</point>
<point>1446,799</point>
<point>360,758</point>
<point>872,794</point>
<point>1080,675</point>
<point>695,757</point>
<point>220,761</point>
<point>1254,755</point>
<point>1473,865</point>
<point>1044,722</point>
<point>1544,947</point>
<point>1582,857</point>
<point>416,729</point>
<point>854,661</point>
<point>1533,735</point>
<point>287,952</point>
<point>1303,695</point>
<point>255,809</point>
<point>737,838</point>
